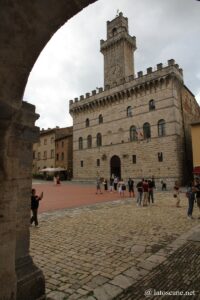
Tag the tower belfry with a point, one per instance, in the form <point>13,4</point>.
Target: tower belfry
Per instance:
<point>118,51</point>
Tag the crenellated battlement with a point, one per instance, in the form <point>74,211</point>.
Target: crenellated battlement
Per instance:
<point>152,76</point>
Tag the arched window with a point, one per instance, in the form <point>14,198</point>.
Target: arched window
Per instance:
<point>99,140</point>
<point>100,119</point>
<point>146,130</point>
<point>89,141</point>
<point>161,127</point>
<point>80,143</point>
<point>152,105</point>
<point>87,122</point>
<point>114,31</point>
<point>133,133</point>
<point>129,111</point>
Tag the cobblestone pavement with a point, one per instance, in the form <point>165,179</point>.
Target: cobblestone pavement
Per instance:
<point>114,250</point>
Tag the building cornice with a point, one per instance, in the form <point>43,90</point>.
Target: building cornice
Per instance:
<point>121,36</point>
<point>128,86</point>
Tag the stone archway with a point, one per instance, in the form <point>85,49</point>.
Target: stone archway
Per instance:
<point>115,166</point>
<point>25,28</point>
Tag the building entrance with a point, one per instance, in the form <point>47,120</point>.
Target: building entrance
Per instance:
<point>115,166</point>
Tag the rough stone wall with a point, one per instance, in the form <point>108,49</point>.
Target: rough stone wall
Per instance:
<point>115,132</point>
<point>25,28</point>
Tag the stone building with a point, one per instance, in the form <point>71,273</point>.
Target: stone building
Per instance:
<point>45,151</point>
<point>63,150</point>
<point>138,125</point>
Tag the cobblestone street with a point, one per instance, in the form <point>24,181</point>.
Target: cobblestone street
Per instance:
<point>114,250</point>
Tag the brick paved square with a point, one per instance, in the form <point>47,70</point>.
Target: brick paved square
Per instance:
<point>83,247</point>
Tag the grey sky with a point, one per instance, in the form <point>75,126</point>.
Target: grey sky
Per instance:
<point>71,64</point>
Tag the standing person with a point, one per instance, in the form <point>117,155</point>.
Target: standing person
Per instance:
<point>34,206</point>
<point>191,197</point>
<point>131,187</point>
<point>139,192</point>
<point>145,191</point>
<point>197,186</point>
<point>115,183</point>
<point>150,192</point>
<point>55,180</point>
<point>58,179</point>
<point>105,182</point>
<point>111,185</point>
<point>177,193</point>
<point>121,187</point>
<point>98,185</point>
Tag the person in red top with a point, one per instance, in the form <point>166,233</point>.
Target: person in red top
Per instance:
<point>145,192</point>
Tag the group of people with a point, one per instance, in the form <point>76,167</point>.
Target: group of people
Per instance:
<point>145,188</point>
<point>192,193</point>
<point>145,193</point>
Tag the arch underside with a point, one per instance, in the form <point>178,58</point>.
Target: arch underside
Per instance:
<point>25,29</point>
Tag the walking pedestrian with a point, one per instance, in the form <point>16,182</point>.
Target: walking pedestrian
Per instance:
<point>145,191</point>
<point>197,186</point>
<point>34,206</point>
<point>177,193</point>
<point>191,197</point>
<point>151,191</point>
<point>139,192</point>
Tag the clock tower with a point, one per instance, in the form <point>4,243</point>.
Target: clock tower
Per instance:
<point>118,51</point>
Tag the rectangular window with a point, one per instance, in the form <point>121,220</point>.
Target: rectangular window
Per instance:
<point>81,163</point>
<point>134,159</point>
<point>57,156</point>
<point>52,153</point>
<point>38,155</point>
<point>62,144</point>
<point>45,155</point>
<point>98,162</point>
<point>160,156</point>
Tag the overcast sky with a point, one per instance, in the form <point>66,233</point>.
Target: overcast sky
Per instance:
<point>71,64</point>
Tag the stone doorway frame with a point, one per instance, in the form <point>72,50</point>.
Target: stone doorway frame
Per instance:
<point>115,166</point>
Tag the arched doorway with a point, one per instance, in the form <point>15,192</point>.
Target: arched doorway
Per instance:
<point>115,166</point>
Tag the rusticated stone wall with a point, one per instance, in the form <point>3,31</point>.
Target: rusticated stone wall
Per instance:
<point>165,86</point>
<point>25,28</point>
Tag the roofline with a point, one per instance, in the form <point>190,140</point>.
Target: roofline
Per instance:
<point>189,90</point>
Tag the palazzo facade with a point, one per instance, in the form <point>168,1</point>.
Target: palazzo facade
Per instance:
<point>137,125</point>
